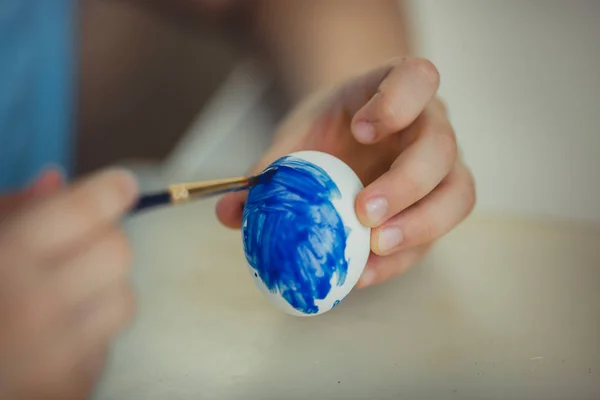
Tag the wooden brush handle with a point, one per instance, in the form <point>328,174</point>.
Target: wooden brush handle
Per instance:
<point>184,192</point>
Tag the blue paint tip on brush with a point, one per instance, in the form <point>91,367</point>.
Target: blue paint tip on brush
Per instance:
<point>186,192</point>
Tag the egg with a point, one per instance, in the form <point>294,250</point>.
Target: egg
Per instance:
<point>303,242</point>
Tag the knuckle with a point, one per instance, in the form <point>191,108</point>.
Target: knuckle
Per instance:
<point>413,187</point>
<point>446,145</point>
<point>388,111</point>
<point>464,183</point>
<point>398,61</point>
<point>426,71</point>
<point>422,231</point>
<point>390,115</point>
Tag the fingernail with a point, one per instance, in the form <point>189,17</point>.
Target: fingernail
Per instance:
<point>48,180</point>
<point>376,209</point>
<point>59,170</point>
<point>389,238</point>
<point>364,131</point>
<point>367,278</point>
<point>45,171</point>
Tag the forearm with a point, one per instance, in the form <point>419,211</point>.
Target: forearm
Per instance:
<point>318,43</point>
<point>309,44</point>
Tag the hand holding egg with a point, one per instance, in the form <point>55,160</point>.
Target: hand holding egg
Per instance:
<point>389,127</point>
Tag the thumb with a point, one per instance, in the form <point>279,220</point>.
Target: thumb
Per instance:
<point>230,209</point>
<point>231,206</point>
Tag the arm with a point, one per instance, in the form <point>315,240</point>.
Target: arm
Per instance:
<point>308,44</point>
<point>318,43</point>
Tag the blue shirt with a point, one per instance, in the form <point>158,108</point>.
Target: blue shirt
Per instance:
<point>37,75</point>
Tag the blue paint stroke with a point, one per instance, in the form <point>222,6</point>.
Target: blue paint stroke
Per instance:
<point>293,236</point>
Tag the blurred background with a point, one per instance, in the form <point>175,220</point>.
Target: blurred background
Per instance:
<point>505,306</point>
<point>180,96</point>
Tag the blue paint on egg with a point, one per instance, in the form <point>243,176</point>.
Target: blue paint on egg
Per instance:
<point>294,238</point>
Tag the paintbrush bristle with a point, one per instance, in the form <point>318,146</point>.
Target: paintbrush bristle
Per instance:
<point>263,177</point>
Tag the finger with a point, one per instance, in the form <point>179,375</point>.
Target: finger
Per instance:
<point>431,218</point>
<point>104,264</point>
<point>231,206</point>
<point>230,209</point>
<point>415,173</point>
<point>49,182</point>
<point>398,100</point>
<point>380,269</point>
<point>64,221</point>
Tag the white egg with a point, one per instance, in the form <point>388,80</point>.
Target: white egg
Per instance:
<point>304,244</point>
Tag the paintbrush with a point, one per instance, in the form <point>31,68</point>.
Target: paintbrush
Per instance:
<point>185,192</point>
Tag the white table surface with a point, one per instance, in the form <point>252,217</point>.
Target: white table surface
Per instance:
<point>501,309</point>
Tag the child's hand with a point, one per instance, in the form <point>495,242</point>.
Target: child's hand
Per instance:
<point>390,127</point>
<point>64,292</point>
